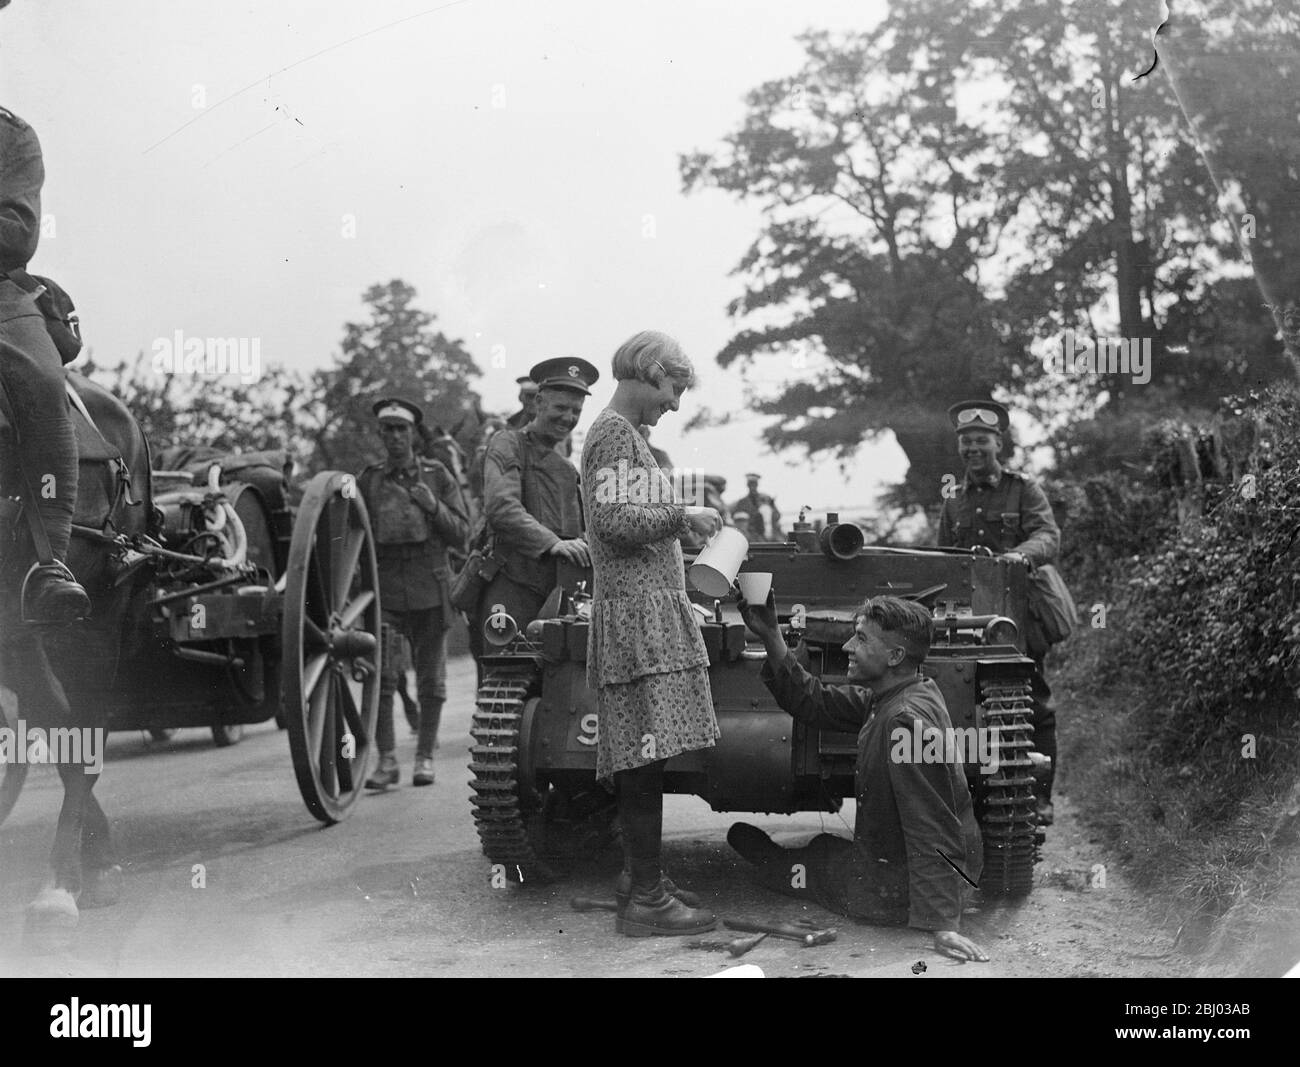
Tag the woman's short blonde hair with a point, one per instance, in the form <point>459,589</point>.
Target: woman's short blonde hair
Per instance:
<point>649,357</point>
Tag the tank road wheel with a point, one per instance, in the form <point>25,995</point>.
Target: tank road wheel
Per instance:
<point>537,831</point>
<point>330,640</point>
<point>1009,823</point>
<point>504,803</point>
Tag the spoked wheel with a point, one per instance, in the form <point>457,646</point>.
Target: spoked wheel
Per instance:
<point>330,637</point>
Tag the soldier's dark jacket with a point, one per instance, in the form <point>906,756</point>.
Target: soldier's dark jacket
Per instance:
<point>411,543</point>
<point>987,513</point>
<point>908,812</point>
<point>21,175</point>
<point>528,520</point>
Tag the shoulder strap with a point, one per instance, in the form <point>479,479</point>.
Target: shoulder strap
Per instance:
<point>1013,497</point>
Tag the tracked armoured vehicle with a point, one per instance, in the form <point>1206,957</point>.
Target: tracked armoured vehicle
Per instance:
<point>537,804</point>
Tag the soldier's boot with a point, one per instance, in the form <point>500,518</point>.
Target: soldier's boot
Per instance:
<point>48,454</point>
<point>753,844</point>
<point>386,774</point>
<point>651,909</point>
<point>51,595</point>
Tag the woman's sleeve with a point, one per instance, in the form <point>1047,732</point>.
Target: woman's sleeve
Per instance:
<point>615,479</point>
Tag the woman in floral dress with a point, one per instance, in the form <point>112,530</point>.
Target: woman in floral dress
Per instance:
<point>646,659</point>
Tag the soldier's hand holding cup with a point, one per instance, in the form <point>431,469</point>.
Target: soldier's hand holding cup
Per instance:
<point>762,620</point>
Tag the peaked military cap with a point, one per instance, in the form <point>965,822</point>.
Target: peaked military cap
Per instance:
<point>393,408</point>
<point>979,415</point>
<point>565,373</point>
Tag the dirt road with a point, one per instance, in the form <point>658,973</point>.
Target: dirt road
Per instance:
<point>227,874</point>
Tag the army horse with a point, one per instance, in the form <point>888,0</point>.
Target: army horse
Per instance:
<point>53,671</point>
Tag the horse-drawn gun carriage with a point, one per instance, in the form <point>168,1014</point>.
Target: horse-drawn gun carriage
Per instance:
<point>214,603</point>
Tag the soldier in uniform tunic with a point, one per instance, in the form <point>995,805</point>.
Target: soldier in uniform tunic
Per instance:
<point>418,513</point>
<point>32,375</point>
<point>755,513</point>
<point>1007,513</point>
<point>531,499</point>
<point>527,403</point>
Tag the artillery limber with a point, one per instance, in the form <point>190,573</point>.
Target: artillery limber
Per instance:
<point>249,611</point>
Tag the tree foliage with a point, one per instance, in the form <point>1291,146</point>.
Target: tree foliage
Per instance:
<point>947,192</point>
<point>181,410</point>
<point>395,352</point>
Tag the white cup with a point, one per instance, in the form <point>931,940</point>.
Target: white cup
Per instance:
<point>754,586</point>
<point>719,560</point>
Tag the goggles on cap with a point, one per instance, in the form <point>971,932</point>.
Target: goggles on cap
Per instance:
<point>977,416</point>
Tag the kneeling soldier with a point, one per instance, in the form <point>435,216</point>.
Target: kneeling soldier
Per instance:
<point>916,833</point>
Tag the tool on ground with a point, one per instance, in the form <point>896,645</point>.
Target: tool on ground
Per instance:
<point>802,931</point>
<point>741,945</point>
<point>588,904</point>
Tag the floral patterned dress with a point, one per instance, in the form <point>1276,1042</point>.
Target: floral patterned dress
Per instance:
<point>645,657</point>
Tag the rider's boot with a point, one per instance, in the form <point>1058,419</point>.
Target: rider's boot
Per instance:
<point>52,595</point>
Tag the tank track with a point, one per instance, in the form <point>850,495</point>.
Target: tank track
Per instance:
<point>494,763</point>
<point>1009,825</point>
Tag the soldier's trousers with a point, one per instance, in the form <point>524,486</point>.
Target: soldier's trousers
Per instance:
<point>32,374</point>
<point>428,638</point>
<point>831,871</point>
<point>1044,723</point>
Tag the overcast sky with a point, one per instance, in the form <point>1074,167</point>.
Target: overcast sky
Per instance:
<point>514,160</point>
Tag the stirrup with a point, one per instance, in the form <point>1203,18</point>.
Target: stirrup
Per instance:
<point>59,567</point>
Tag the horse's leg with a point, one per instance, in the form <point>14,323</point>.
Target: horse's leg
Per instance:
<point>42,698</point>
<point>102,876</point>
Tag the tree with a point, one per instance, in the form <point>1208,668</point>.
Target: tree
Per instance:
<point>397,352</point>
<point>1236,70</point>
<point>946,242</point>
<point>183,410</point>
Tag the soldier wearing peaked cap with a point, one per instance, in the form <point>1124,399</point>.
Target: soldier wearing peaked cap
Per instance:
<point>31,372</point>
<point>565,373</point>
<point>527,398</point>
<point>531,498</point>
<point>418,513</point>
<point>1009,514</point>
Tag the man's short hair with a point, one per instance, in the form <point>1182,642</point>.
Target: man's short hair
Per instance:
<point>906,621</point>
<point>649,357</point>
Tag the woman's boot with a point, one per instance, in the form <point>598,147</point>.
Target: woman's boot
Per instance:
<point>651,909</point>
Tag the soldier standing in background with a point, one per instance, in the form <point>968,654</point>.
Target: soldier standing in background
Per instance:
<point>527,404</point>
<point>418,515</point>
<point>1007,513</point>
<point>755,513</point>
